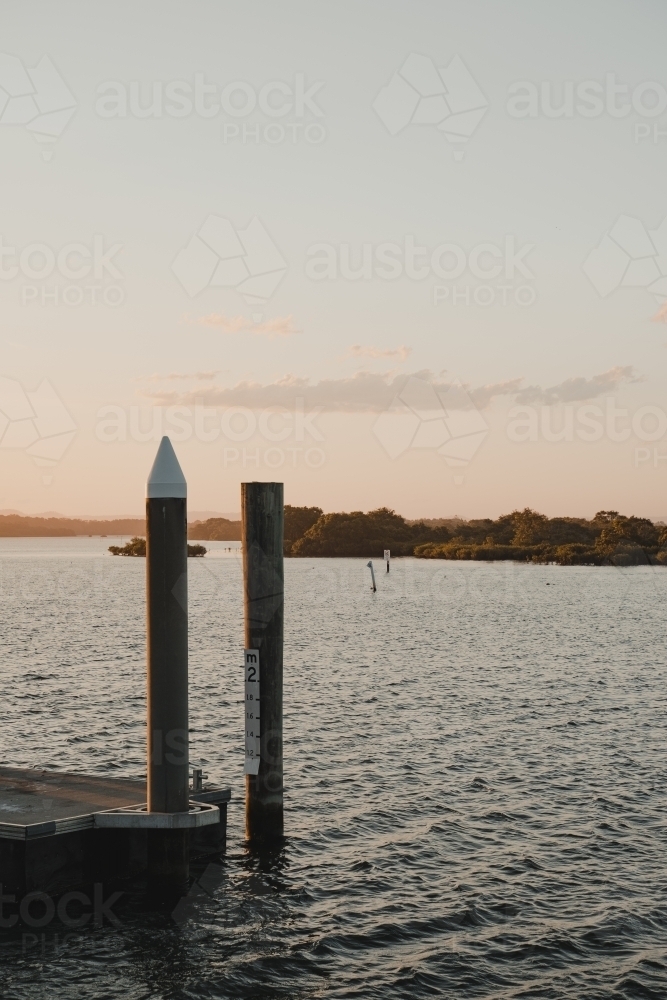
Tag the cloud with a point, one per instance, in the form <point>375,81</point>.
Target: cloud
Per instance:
<point>574,390</point>
<point>357,351</point>
<point>177,377</point>
<point>485,393</point>
<point>364,391</point>
<point>373,392</point>
<point>361,392</point>
<point>279,326</point>
<point>661,315</point>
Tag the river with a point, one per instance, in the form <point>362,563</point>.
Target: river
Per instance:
<point>476,767</point>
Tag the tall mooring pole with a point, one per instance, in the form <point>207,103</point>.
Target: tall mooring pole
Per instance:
<point>263,527</point>
<point>167,627</point>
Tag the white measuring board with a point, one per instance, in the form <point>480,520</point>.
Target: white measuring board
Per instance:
<point>387,555</point>
<point>252,709</point>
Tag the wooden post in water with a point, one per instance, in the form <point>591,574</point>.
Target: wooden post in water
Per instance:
<point>167,626</point>
<point>263,591</point>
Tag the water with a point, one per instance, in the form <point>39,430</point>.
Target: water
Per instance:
<point>476,766</point>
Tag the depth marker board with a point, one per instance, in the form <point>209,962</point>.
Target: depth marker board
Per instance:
<point>252,711</point>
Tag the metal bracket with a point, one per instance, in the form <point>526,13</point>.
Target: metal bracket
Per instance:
<point>197,779</point>
<point>138,818</point>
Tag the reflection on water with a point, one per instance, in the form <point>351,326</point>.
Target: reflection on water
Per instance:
<point>476,766</point>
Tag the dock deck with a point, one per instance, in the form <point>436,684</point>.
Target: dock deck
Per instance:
<point>48,839</point>
<point>41,803</point>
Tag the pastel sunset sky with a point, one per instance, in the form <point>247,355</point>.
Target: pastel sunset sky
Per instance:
<point>396,254</point>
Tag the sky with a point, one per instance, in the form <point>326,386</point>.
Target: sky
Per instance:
<point>393,254</point>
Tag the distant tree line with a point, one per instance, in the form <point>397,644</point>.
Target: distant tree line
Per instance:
<point>310,532</point>
<point>523,536</point>
<point>526,536</point>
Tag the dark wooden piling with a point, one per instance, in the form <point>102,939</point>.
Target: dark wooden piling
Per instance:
<point>263,527</point>
<point>167,627</point>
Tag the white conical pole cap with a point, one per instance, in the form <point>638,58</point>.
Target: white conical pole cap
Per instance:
<point>166,478</point>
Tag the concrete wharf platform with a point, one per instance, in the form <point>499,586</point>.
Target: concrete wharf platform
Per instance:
<point>50,841</point>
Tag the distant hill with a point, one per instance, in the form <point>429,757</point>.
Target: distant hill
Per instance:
<point>18,526</point>
<point>207,515</point>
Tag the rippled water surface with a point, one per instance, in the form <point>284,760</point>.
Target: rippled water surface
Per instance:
<point>476,766</point>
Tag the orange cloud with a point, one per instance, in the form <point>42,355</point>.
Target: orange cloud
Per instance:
<point>357,351</point>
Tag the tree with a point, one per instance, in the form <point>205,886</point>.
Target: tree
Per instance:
<point>627,531</point>
<point>215,529</point>
<point>606,516</point>
<point>298,520</point>
<point>359,534</point>
<point>530,528</point>
<point>137,547</point>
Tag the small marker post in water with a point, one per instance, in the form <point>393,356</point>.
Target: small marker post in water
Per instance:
<point>263,520</point>
<point>167,668</point>
<point>387,557</point>
<point>370,566</point>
